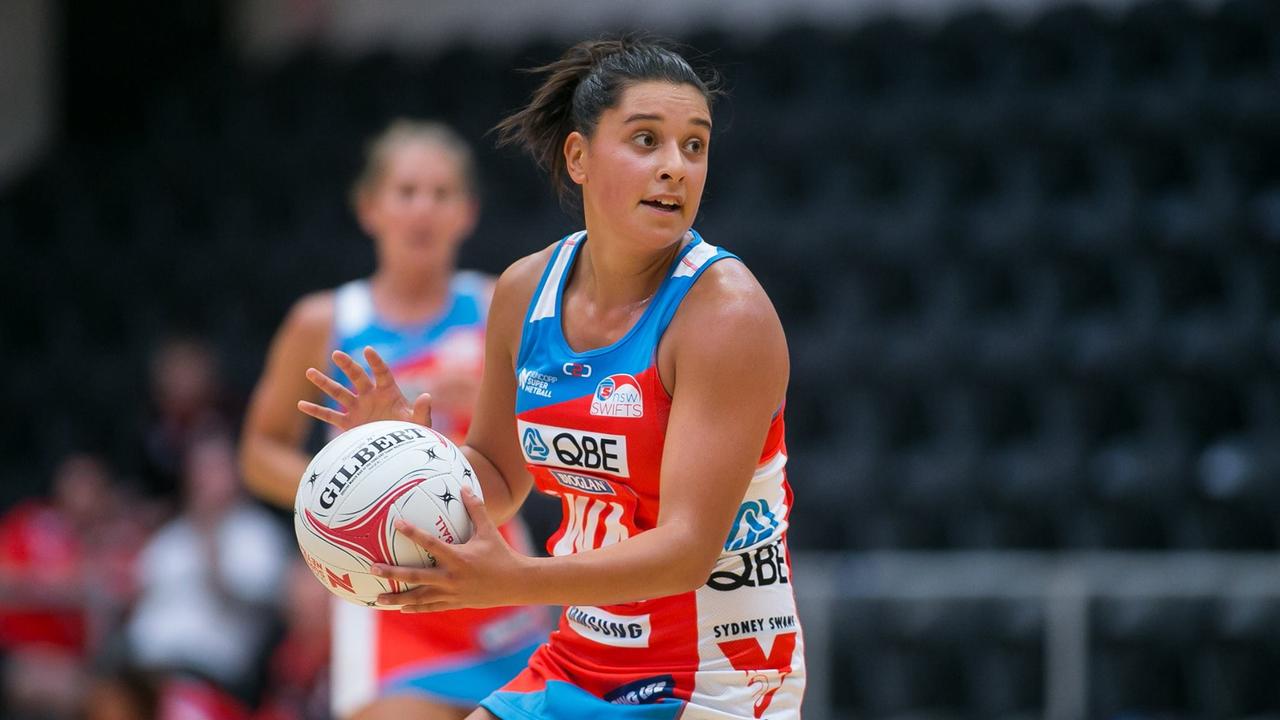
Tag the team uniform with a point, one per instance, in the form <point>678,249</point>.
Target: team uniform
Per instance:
<point>457,657</point>
<point>592,427</point>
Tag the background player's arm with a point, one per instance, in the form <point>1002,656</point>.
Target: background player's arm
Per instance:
<point>271,455</point>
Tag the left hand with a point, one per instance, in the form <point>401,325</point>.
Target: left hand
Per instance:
<point>480,573</point>
<point>370,399</point>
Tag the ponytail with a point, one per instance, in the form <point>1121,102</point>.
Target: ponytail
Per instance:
<point>587,80</point>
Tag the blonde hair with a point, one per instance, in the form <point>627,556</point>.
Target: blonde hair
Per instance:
<point>403,131</point>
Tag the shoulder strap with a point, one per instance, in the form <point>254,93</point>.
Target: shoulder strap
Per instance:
<point>699,256</point>
<point>547,296</point>
<point>352,309</point>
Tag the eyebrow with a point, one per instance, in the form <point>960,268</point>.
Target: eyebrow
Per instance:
<point>650,116</point>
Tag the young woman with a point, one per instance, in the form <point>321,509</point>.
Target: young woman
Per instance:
<point>416,199</point>
<point>638,373</point>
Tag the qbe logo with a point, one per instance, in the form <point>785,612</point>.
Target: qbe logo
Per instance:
<point>754,523</point>
<point>618,396</point>
<point>534,448</point>
<point>573,449</point>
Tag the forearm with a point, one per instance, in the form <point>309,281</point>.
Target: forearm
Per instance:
<point>666,560</point>
<point>502,496</point>
<point>272,469</point>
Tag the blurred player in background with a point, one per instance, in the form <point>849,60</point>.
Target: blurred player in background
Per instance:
<point>639,373</point>
<point>416,197</point>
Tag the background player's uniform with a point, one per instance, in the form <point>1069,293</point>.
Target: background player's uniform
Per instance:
<point>457,656</point>
<point>592,427</point>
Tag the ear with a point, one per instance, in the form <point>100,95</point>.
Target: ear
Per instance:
<point>575,157</point>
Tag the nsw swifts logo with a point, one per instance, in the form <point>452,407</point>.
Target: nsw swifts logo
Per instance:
<point>618,396</point>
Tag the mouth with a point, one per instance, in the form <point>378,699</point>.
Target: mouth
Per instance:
<point>665,205</point>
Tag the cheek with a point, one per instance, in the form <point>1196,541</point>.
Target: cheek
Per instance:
<point>622,176</point>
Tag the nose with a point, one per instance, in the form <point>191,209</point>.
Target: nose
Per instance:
<point>425,203</point>
<point>671,163</point>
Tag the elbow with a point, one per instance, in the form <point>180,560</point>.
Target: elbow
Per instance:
<point>695,564</point>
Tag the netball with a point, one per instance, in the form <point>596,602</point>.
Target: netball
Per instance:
<point>355,489</point>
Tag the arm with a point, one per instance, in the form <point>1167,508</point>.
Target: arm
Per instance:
<point>727,349</point>
<point>271,458</point>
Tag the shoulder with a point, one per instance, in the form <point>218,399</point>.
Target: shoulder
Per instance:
<point>313,312</point>
<point>306,331</point>
<point>728,293</point>
<point>515,287</point>
<point>727,316</point>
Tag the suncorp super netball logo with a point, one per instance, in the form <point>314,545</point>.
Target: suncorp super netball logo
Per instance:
<point>618,396</point>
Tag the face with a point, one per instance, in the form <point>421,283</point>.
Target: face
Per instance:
<point>420,210</point>
<point>643,170</point>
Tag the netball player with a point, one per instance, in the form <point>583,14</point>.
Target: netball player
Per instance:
<point>637,372</point>
<point>416,199</point>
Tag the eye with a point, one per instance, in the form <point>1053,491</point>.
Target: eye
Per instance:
<point>695,145</point>
<point>645,139</point>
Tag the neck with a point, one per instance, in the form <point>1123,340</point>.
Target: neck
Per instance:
<point>616,275</point>
<point>405,298</point>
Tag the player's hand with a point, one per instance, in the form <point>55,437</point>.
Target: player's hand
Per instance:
<point>480,573</point>
<point>370,399</point>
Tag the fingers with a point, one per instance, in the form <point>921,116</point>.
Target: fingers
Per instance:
<point>414,596</point>
<point>408,575</point>
<point>331,387</point>
<point>431,607</point>
<point>356,374</point>
<point>324,414</point>
<point>422,409</point>
<point>382,376</point>
<point>439,549</point>
<point>476,509</point>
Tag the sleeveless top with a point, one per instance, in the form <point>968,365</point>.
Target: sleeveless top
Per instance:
<point>592,427</point>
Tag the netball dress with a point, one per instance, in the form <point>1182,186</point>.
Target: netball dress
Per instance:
<point>592,427</point>
<point>460,656</point>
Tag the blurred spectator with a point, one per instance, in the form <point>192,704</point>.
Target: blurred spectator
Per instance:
<point>65,567</point>
<point>298,679</point>
<point>187,400</point>
<point>209,585</point>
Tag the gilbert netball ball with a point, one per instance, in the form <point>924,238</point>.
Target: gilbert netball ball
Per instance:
<point>358,485</point>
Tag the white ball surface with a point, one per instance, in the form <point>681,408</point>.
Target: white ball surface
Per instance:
<point>359,484</point>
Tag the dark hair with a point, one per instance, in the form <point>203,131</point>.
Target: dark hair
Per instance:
<point>587,80</point>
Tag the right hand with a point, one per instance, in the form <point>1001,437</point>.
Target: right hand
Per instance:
<point>376,398</point>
